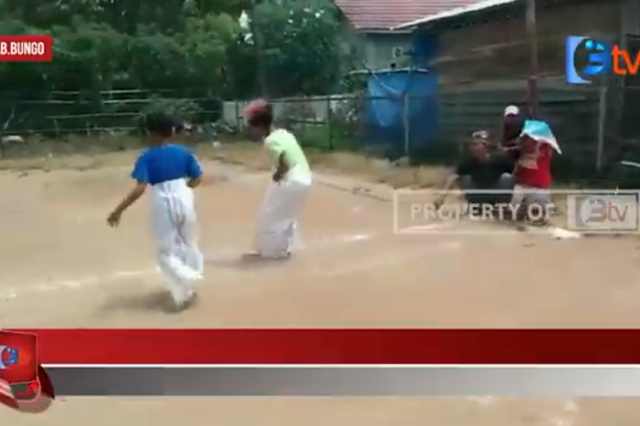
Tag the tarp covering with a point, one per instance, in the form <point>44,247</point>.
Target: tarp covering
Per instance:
<point>401,110</point>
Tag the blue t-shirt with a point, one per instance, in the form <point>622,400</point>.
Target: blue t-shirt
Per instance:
<point>164,163</point>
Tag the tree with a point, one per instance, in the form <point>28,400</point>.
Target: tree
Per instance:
<point>300,51</point>
<point>177,49</point>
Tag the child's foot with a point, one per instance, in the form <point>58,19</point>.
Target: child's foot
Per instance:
<point>187,302</point>
<point>193,298</point>
<point>259,257</point>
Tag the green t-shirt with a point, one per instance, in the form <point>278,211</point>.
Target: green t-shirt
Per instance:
<point>281,141</point>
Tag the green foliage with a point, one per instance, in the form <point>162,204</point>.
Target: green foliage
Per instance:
<point>300,44</point>
<point>195,48</point>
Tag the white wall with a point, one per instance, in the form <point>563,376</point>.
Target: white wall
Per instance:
<point>312,108</point>
<point>379,49</point>
<point>375,49</point>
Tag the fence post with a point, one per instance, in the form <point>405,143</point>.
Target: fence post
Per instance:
<point>238,121</point>
<point>602,113</point>
<point>405,122</point>
<point>329,118</point>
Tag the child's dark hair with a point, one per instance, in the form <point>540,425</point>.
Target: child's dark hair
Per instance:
<point>259,113</point>
<point>160,124</point>
<point>178,124</point>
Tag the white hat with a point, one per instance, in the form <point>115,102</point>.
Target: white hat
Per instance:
<point>480,134</point>
<point>511,110</point>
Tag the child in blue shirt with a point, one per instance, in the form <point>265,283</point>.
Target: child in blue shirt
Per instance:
<point>171,172</point>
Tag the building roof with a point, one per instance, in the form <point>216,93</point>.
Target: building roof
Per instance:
<point>386,14</point>
<point>454,10</point>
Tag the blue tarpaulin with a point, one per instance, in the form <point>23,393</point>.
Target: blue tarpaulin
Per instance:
<point>401,110</point>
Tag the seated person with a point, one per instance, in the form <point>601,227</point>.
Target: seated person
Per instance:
<point>181,129</point>
<point>481,169</point>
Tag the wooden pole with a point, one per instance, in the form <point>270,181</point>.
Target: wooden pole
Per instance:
<point>602,116</point>
<point>532,86</point>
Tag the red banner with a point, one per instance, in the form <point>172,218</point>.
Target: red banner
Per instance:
<point>26,48</point>
<point>335,346</point>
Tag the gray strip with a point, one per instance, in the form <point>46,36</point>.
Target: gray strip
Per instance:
<point>349,381</point>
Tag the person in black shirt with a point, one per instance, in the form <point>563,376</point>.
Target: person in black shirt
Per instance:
<point>181,129</point>
<point>482,169</point>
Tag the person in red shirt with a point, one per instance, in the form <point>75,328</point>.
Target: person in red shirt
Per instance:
<point>532,144</point>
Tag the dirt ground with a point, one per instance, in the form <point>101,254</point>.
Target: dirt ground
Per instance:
<point>61,266</point>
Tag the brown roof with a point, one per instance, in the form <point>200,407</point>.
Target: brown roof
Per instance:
<point>385,14</point>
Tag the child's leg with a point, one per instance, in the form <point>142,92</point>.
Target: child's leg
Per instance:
<point>169,264</point>
<point>539,206</point>
<point>277,227</point>
<point>168,226</point>
<point>192,256</point>
<point>267,221</point>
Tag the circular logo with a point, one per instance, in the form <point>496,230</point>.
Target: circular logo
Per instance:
<point>8,357</point>
<point>593,210</point>
<point>591,58</point>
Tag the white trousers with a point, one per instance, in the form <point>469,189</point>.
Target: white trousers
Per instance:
<point>529,194</point>
<point>174,227</point>
<point>277,228</point>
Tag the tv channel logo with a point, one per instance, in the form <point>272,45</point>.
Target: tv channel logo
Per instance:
<point>8,357</point>
<point>598,59</point>
<point>603,212</point>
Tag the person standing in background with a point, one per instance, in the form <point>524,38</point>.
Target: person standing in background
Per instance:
<point>532,144</point>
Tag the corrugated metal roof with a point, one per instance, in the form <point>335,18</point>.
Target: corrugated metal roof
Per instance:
<point>387,14</point>
<point>451,12</point>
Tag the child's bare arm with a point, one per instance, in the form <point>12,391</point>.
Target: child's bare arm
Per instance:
<point>194,172</point>
<point>281,169</point>
<point>132,197</point>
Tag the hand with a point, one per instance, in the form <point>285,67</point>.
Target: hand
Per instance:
<point>114,219</point>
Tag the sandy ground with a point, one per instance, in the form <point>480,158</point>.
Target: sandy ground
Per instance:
<point>336,412</point>
<point>61,266</point>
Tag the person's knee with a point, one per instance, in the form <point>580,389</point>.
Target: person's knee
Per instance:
<point>537,207</point>
<point>506,181</point>
<point>504,187</point>
<point>466,183</point>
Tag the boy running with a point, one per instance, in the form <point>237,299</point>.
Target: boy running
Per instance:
<point>277,228</point>
<point>171,172</point>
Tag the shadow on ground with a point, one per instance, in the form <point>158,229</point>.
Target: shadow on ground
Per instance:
<point>155,300</point>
